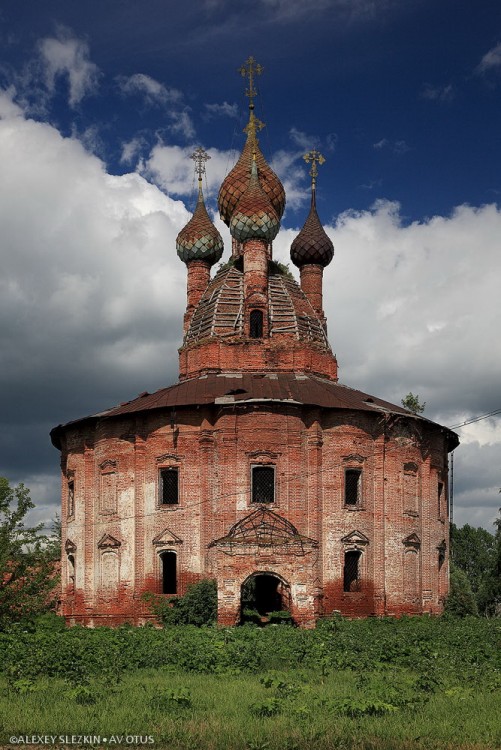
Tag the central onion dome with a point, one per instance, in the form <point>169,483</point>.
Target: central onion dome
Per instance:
<point>236,182</point>
<point>199,239</point>
<point>254,216</point>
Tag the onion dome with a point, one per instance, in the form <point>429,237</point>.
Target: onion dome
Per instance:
<point>312,245</point>
<point>254,217</point>
<point>200,240</point>
<point>236,181</point>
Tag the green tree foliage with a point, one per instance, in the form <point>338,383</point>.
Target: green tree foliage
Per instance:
<point>461,599</point>
<point>472,551</point>
<point>412,403</point>
<point>489,594</point>
<point>27,575</point>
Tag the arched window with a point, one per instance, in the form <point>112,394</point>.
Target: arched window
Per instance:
<point>256,324</point>
<point>71,574</point>
<point>351,572</point>
<point>168,563</point>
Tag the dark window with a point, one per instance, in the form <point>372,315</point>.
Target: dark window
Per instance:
<point>71,574</point>
<point>169,573</point>
<point>263,484</point>
<point>169,486</point>
<point>439,497</point>
<point>441,559</point>
<point>352,479</point>
<point>351,573</point>
<point>256,324</point>
<point>71,498</point>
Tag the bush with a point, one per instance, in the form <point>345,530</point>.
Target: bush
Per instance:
<point>197,607</point>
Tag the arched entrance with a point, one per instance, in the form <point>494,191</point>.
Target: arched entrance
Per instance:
<point>265,593</point>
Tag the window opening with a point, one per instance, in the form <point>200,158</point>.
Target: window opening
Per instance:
<point>263,484</point>
<point>71,498</point>
<point>169,486</point>
<point>169,572</point>
<point>352,478</point>
<point>71,574</point>
<point>351,577</point>
<point>256,324</point>
<point>439,497</point>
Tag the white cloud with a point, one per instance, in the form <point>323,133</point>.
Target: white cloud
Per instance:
<point>68,56</point>
<point>303,140</point>
<point>397,147</point>
<point>172,169</point>
<point>8,108</point>
<point>152,91</point>
<point>438,93</point>
<point>491,60</point>
<point>222,110</point>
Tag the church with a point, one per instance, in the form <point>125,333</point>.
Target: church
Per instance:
<point>257,468</point>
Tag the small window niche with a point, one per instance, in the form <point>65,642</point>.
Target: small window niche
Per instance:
<point>71,574</point>
<point>71,498</point>
<point>352,487</point>
<point>168,486</point>
<point>168,572</point>
<point>263,484</point>
<point>351,570</point>
<point>256,324</point>
<point>440,499</point>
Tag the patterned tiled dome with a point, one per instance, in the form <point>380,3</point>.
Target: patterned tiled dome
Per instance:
<point>199,240</point>
<point>312,245</point>
<point>236,182</point>
<point>254,216</point>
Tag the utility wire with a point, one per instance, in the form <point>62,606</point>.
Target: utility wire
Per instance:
<point>475,419</point>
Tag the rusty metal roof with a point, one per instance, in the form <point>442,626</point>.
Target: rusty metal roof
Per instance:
<point>240,388</point>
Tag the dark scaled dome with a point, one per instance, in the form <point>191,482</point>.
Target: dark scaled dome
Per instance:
<point>199,239</point>
<point>312,245</point>
<point>236,182</point>
<point>254,216</point>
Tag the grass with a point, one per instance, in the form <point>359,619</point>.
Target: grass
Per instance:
<point>411,684</point>
<point>211,712</point>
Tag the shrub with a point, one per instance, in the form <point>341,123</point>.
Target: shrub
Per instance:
<point>197,607</point>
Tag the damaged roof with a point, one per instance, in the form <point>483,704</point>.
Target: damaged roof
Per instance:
<point>239,388</point>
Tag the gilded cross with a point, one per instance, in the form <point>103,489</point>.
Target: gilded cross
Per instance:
<point>249,69</point>
<point>200,156</point>
<point>315,157</point>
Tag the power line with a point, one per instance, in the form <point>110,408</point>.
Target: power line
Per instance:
<point>475,419</point>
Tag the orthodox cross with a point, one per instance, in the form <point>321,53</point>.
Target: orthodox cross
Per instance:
<point>315,157</point>
<point>248,70</point>
<point>200,156</point>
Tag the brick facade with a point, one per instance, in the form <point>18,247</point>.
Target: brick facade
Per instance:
<point>256,466</point>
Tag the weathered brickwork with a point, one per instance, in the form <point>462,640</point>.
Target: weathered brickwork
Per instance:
<point>258,467</point>
<point>116,549</point>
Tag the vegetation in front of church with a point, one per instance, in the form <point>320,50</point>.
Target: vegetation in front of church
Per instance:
<point>375,683</point>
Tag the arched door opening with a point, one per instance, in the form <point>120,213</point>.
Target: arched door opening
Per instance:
<point>168,572</point>
<point>262,594</point>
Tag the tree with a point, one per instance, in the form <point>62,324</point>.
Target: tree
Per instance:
<point>473,551</point>
<point>489,594</point>
<point>27,574</point>
<point>412,403</point>
<point>460,600</point>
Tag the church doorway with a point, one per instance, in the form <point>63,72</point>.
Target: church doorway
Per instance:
<point>262,594</point>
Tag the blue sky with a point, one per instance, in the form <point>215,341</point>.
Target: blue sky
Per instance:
<point>101,105</point>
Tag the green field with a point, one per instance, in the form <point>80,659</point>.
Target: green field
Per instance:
<point>410,683</point>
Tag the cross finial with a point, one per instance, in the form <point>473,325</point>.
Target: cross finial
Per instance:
<point>315,157</point>
<point>200,156</point>
<point>249,69</point>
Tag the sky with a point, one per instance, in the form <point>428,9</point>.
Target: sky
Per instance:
<point>101,105</point>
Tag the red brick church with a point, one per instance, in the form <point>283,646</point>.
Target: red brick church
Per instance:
<point>257,468</point>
